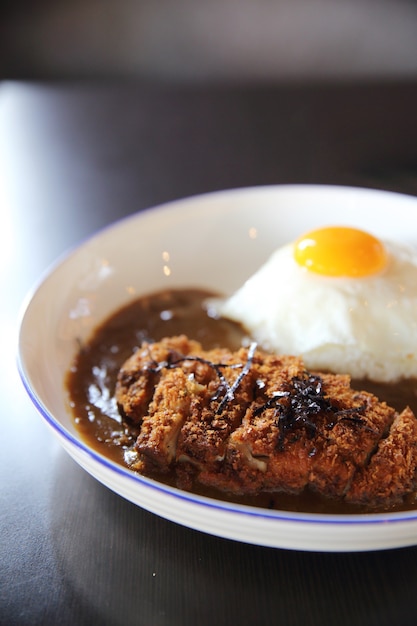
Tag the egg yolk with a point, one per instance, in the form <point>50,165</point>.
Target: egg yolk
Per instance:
<point>340,251</point>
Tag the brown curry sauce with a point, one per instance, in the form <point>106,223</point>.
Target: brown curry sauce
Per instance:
<point>92,378</point>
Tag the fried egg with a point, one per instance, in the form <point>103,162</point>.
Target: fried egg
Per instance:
<point>341,299</point>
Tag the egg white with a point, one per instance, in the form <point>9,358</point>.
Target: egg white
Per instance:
<point>365,327</point>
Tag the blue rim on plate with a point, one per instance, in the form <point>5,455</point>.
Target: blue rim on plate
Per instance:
<point>286,206</point>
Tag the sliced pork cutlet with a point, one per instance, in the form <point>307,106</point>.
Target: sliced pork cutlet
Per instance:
<point>248,422</point>
<point>166,383</point>
<point>217,412</point>
<point>392,470</point>
<point>154,390</point>
<point>140,374</point>
<point>355,424</point>
<point>249,466</point>
<point>302,430</point>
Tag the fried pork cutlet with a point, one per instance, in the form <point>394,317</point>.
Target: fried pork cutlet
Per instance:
<point>248,422</point>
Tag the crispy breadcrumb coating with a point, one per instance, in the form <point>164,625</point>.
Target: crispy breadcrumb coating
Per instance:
<point>249,422</point>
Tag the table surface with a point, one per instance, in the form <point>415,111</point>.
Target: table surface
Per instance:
<point>75,157</point>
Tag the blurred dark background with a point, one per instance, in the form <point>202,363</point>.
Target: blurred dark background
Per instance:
<point>194,40</point>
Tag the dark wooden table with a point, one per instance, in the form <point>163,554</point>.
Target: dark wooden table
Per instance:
<point>75,157</point>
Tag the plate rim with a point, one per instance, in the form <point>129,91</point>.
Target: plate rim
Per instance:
<point>350,520</point>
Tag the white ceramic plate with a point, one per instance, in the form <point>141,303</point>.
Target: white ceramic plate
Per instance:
<point>213,241</point>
